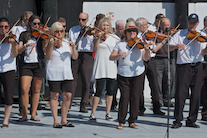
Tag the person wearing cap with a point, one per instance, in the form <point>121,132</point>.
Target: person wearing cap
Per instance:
<point>189,70</point>
<point>150,70</point>
<point>204,78</point>
<point>153,27</point>
<point>130,75</point>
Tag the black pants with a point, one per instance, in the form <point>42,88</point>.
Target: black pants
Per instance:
<point>100,85</point>
<point>204,82</point>
<point>131,89</point>
<point>8,79</point>
<point>189,76</point>
<point>84,66</point>
<point>151,72</point>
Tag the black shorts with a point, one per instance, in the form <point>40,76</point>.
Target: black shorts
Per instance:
<point>8,79</point>
<point>65,86</point>
<point>33,69</point>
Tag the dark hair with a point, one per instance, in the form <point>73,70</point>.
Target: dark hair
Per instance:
<point>28,34</point>
<point>4,19</point>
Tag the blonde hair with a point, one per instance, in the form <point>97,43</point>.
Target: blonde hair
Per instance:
<point>57,26</point>
<point>108,20</point>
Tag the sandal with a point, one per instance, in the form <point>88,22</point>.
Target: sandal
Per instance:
<point>120,126</point>
<point>133,125</point>
<point>69,124</point>
<point>4,126</point>
<point>33,118</point>
<point>24,118</point>
<point>57,125</point>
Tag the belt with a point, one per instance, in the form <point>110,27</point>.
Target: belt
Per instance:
<point>191,64</point>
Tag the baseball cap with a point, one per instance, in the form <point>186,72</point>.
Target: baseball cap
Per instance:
<point>193,17</point>
<point>159,16</point>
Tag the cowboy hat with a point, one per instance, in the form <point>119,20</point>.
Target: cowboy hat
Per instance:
<point>129,25</point>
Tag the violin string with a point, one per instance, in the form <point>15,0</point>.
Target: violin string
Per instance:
<point>10,30</point>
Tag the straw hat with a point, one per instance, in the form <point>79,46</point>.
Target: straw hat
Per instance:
<point>129,25</point>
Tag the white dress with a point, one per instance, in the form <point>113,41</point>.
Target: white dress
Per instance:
<point>103,67</point>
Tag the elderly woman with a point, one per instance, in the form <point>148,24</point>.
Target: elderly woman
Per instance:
<point>104,70</point>
<point>130,75</point>
<point>58,72</point>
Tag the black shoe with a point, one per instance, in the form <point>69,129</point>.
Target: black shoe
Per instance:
<point>159,112</point>
<point>83,110</point>
<point>192,124</point>
<point>204,118</point>
<point>176,124</point>
<point>92,118</point>
<point>170,104</point>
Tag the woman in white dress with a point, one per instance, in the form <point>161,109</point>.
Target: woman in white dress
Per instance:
<point>58,72</point>
<point>104,70</point>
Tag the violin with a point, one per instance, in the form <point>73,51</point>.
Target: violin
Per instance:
<point>41,32</point>
<point>200,38</point>
<point>94,32</point>
<point>151,35</point>
<point>6,39</point>
<point>139,45</point>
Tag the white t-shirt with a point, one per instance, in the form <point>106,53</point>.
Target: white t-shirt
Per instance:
<point>33,56</point>
<point>192,52</point>
<point>58,68</point>
<point>17,30</point>
<point>152,27</point>
<point>132,65</point>
<point>85,44</point>
<point>7,62</point>
<point>103,67</point>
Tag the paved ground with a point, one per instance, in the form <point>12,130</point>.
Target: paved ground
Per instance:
<point>150,126</point>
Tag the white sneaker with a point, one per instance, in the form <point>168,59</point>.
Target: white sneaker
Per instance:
<point>108,117</point>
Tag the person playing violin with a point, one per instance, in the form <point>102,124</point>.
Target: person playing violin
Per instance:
<point>189,70</point>
<point>130,75</point>
<point>104,70</point>
<point>204,78</point>
<point>59,73</point>
<point>33,68</point>
<point>161,59</point>
<point>153,27</point>
<point>8,55</point>
<point>150,70</point>
<point>84,63</point>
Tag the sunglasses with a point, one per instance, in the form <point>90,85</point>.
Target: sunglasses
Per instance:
<point>36,23</point>
<point>133,30</point>
<point>64,26</point>
<point>82,19</point>
<point>6,27</point>
<point>59,31</point>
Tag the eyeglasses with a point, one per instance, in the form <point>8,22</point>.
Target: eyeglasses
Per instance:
<point>59,31</point>
<point>82,19</point>
<point>36,23</point>
<point>133,30</point>
<point>6,27</point>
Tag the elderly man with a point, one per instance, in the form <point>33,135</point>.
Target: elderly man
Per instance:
<point>84,63</point>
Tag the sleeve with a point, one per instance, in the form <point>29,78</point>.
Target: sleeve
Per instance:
<point>116,48</point>
<point>22,38</point>
<point>174,39</point>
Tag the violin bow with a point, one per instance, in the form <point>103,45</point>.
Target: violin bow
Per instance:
<point>10,30</point>
<point>41,32</point>
<point>157,31</point>
<point>137,41</point>
<point>196,36</point>
<point>104,32</point>
<point>84,32</point>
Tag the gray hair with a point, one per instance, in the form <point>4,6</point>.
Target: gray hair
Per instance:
<point>109,21</point>
<point>205,20</point>
<point>118,22</point>
<point>138,21</point>
<point>27,13</point>
<point>57,26</point>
